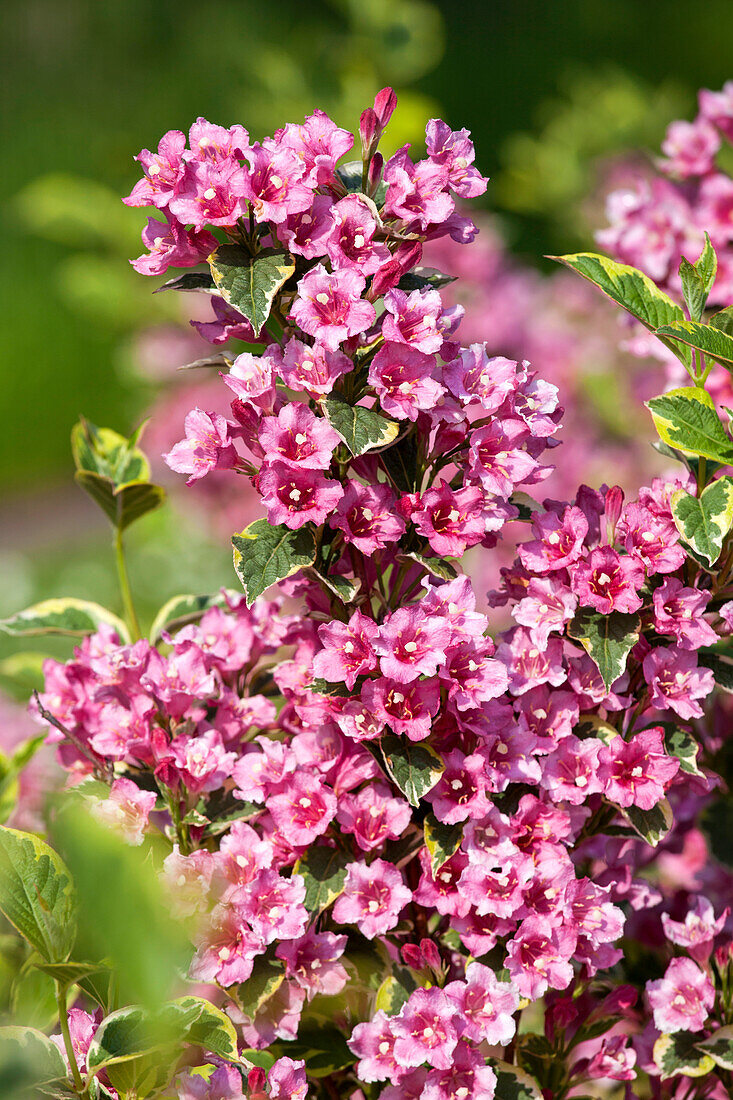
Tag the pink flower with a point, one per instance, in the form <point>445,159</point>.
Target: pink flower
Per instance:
<point>287,1080</point>
<point>473,377</point>
<point>498,457</point>
<point>453,150</point>
<point>274,184</point>
<point>548,605</point>
<point>402,378</point>
<point>426,1030</point>
<point>405,708</point>
<point>318,144</point>
<point>201,763</point>
<point>273,905</point>
<point>450,520</point>
<point>82,1029</point>
<point>415,192</point>
<point>347,650</point>
<point>171,245</point>
<point>373,898</point>
<point>690,148</point>
<point>298,438</point>
<point>208,446</point>
<point>312,961</point>
<point>653,541</point>
<point>225,1083</point>
<point>295,496</point>
<point>467,1076</point>
<point>227,948</point>
<point>414,319</point>
<point>539,956</point>
<point>373,816</point>
<point>637,772</point>
<point>373,1043</point>
<point>615,1059</point>
<point>411,643</point>
<point>486,1005</point>
<point>679,610</point>
<point>163,171</point>
<point>570,773</point>
<point>216,143</point>
<point>306,234</point>
<point>675,681</point>
<point>461,791</point>
<point>368,517</point>
<point>608,582</point>
<point>718,107</point>
<point>558,543</point>
<point>329,305</point>
<point>528,666</point>
<point>350,244</point>
<point>682,999</point>
<point>313,369</point>
<point>251,376</point>
<point>210,193</point>
<point>303,810</point>
<point>127,809</point>
<point>698,930</point>
<point>228,324</point>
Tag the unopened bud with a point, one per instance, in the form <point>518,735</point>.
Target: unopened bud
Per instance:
<point>256,1080</point>
<point>614,504</point>
<point>431,954</point>
<point>369,131</point>
<point>375,174</point>
<point>384,105</point>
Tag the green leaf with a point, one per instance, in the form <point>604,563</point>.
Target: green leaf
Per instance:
<point>651,825</point>
<point>723,320</point>
<point>69,973</point>
<point>202,1024</point>
<point>266,978</point>
<point>179,611</point>
<point>199,281</point>
<point>339,586</point>
<point>436,567</point>
<point>422,278</point>
<point>442,841</point>
<point>75,618</point>
<point>324,872</point>
<point>413,766</point>
<point>698,279</point>
<point>677,1055</point>
<point>682,745</point>
<point>10,769</point>
<point>29,1061</point>
<point>114,472</point>
<point>37,894</point>
<point>513,1083</point>
<point>395,991</point>
<point>592,725</point>
<point>711,341</point>
<point>631,289</point>
<point>361,429</point>
<point>719,1046</point>
<point>607,639</point>
<point>125,503</point>
<point>323,1048</point>
<point>124,909</point>
<point>265,555</point>
<point>138,1053</point>
<point>250,283</point>
<point>400,463</point>
<point>704,521</point>
<point>686,420</point>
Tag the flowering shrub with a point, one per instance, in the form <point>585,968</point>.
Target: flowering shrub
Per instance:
<point>414,860</point>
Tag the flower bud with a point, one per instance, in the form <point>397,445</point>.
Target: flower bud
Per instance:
<point>375,173</point>
<point>368,131</point>
<point>431,954</point>
<point>614,504</point>
<point>384,105</point>
<point>256,1081</point>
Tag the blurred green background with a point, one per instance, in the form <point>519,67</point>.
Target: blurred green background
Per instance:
<point>551,92</point>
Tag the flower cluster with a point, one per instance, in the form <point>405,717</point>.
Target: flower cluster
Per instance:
<point>392,829</point>
<point>655,220</point>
